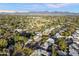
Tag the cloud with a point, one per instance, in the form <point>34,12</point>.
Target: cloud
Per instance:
<point>57,5</point>
<point>7,11</point>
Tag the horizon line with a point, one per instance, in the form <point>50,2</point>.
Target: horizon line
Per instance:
<point>34,11</point>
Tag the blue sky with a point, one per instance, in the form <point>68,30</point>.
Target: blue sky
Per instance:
<point>67,7</point>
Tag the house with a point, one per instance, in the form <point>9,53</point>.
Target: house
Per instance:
<point>76,37</point>
<point>48,43</point>
<point>18,30</point>
<point>39,52</point>
<point>38,33</point>
<point>50,40</point>
<point>61,53</point>
<point>77,31</point>
<point>75,46</point>
<point>45,45</point>
<point>73,52</point>
<point>57,35</point>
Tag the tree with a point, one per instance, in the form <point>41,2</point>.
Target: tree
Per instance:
<point>53,33</point>
<point>62,43</point>
<point>2,31</point>
<point>18,48</point>
<point>66,33</point>
<point>27,51</point>
<point>20,38</point>
<point>54,52</point>
<point>44,38</point>
<point>3,43</point>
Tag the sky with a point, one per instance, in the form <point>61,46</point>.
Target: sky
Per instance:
<point>60,7</point>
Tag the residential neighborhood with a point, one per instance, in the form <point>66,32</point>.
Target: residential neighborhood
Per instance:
<point>43,31</point>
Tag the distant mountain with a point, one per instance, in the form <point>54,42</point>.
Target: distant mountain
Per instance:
<point>12,12</point>
<point>52,13</point>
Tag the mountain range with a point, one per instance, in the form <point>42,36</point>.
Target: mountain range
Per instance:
<point>13,12</point>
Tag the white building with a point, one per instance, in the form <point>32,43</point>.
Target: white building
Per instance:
<point>18,30</point>
<point>50,40</point>
<point>73,52</point>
